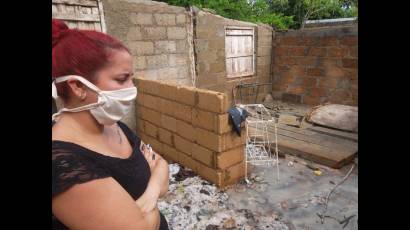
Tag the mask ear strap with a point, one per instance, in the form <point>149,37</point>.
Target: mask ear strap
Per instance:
<point>54,93</point>
<point>81,108</point>
<point>79,78</point>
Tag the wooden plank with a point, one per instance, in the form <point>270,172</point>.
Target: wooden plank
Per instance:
<point>326,156</point>
<point>320,139</point>
<point>102,18</point>
<point>316,138</point>
<point>239,32</point>
<point>334,132</point>
<point>314,130</point>
<point>76,2</point>
<point>239,55</point>
<point>320,148</point>
<point>77,17</point>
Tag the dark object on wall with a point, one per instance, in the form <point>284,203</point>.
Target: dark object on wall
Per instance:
<point>237,116</point>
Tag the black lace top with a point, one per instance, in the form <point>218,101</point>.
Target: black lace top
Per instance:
<point>73,164</point>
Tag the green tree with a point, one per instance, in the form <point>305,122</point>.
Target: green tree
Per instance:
<point>282,14</point>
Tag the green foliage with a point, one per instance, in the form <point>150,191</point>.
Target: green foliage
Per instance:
<point>283,14</point>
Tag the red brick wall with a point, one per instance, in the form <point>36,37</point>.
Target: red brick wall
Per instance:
<point>317,65</point>
<point>191,126</point>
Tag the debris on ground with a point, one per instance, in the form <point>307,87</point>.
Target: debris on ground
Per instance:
<point>289,120</point>
<point>317,172</point>
<point>201,205</point>
<point>294,202</point>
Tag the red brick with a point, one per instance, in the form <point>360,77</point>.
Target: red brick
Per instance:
<point>212,175</point>
<point>353,51</point>
<point>289,40</point>
<point>310,100</point>
<point>283,68</point>
<point>314,72</point>
<point>297,71</point>
<point>349,62</point>
<point>336,52</point>
<point>168,123</point>
<point>287,79</point>
<point>281,51</point>
<point>186,95</point>
<point>328,82</point>
<point>339,95</point>
<point>296,89</point>
<point>166,137</point>
<point>285,60</point>
<point>349,41</point>
<point>293,98</point>
<point>183,145</point>
<point>234,174</point>
<point>151,129</point>
<point>350,73</point>
<point>333,72</point>
<point>230,157</point>
<point>149,115</point>
<point>320,52</point>
<point>309,82</point>
<point>168,91</point>
<point>183,112</point>
<point>297,51</point>
<point>185,130</point>
<point>328,41</point>
<point>187,162</point>
<point>306,61</point>
<point>318,92</point>
<point>147,86</point>
<point>212,101</point>
<point>309,41</point>
<point>330,62</point>
<point>203,155</point>
<point>279,87</point>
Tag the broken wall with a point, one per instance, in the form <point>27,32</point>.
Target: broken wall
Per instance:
<point>157,36</point>
<point>191,126</point>
<point>211,56</point>
<point>316,65</point>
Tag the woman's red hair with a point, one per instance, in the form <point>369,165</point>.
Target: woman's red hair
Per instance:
<point>79,52</point>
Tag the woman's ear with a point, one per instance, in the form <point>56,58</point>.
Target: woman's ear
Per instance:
<point>77,88</point>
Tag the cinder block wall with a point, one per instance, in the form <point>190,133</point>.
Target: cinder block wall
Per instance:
<point>157,35</point>
<point>210,54</point>
<point>316,65</point>
<point>191,126</point>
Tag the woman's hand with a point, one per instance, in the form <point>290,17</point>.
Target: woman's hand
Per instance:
<point>150,155</point>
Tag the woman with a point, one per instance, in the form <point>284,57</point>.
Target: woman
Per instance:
<point>103,175</point>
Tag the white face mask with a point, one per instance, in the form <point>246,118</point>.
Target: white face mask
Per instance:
<point>111,106</point>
